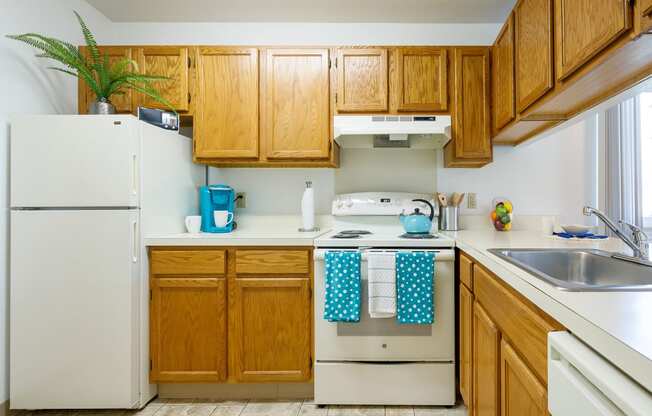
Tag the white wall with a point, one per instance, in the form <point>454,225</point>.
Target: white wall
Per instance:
<point>28,87</point>
<point>553,174</point>
<point>304,33</point>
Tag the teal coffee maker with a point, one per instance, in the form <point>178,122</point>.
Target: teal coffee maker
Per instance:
<point>217,206</point>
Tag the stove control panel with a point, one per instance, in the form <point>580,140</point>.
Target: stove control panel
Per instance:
<point>380,203</point>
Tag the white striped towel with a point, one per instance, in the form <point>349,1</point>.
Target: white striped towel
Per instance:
<point>381,276</point>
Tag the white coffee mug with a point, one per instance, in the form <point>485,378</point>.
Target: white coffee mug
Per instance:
<point>222,218</point>
<point>193,224</point>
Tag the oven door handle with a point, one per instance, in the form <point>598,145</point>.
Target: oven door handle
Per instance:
<point>440,255</point>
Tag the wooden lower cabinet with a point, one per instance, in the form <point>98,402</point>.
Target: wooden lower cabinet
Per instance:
<point>502,344</point>
<point>521,393</point>
<point>230,314</point>
<point>271,329</point>
<point>486,370</point>
<point>188,329</point>
<point>466,344</point>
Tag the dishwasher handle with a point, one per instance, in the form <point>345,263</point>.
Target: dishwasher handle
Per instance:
<point>581,382</point>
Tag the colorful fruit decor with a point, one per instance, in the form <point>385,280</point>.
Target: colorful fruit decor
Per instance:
<point>501,216</point>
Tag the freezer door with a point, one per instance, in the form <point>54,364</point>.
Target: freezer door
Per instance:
<point>74,309</point>
<point>74,161</point>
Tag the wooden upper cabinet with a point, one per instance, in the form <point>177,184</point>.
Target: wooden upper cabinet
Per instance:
<point>533,43</point>
<point>168,61</point>
<point>521,392</point>
<point>297,110</point>
<point>227,97</point>
<point>502,76</point>
<point>188,329</point>
<point>270,330</point>
<point>466,344</point>
<point>362,78</point>
<point>471,142</point>
<point>585,27</point>
<point>643,16</point>
<point>122,102</point>
<point>486,366</point>
<point>422,79</point>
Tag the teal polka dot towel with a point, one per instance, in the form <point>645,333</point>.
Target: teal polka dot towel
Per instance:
<point>342,303</point>
<point>415,279</point>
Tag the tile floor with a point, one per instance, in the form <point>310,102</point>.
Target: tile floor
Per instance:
<point>183,407</point>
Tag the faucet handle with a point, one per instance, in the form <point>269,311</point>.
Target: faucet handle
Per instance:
<point>637,232</point>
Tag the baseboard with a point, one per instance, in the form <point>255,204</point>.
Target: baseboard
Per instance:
<point>278,391</point>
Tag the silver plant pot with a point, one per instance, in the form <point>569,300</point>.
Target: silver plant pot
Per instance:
<point>102,107</point>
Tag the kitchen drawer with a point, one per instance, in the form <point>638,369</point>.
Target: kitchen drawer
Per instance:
<point>466,271</point>
<point>187,262</point>
<point>525,326</point>
<point>274,262</point>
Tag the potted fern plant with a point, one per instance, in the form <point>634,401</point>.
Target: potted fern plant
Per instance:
<point>103,78</point>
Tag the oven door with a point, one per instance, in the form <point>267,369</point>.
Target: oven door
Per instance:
<point>384,339</point>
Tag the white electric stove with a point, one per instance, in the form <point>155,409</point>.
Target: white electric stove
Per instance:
<point>377,360</point>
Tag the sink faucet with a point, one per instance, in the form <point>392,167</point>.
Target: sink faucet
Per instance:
<point>638,243</point>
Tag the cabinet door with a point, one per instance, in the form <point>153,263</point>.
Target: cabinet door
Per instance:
<point>168,61</point>
<point>271,329</point>
<point>644,16</point>
<point>521,392</point>
<point>502,76</point>
<point>471,120</point>
<point>585,27</point>
<point>422,79</point>
<point>362,80</point>
<point>297,106</point>
<point>466,344</point>
<point>486,370</point>
<point>226,116</point>
<point>188,329</point>
<point>533,42</point>
<point>122,102</point>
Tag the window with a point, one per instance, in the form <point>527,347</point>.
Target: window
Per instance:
<point>645,136</point>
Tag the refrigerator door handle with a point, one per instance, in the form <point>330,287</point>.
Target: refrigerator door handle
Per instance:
<point>134,169</point>
<point>134,242</point>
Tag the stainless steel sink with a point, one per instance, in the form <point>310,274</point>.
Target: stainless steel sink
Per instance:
<point>580,269</point>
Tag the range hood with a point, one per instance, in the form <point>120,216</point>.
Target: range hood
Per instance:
<point>382,131</point>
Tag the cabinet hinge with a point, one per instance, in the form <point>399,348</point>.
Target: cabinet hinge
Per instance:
<point>189,98</point>
<point>189,62</point>
<point>335,62</point>
<point>329,63</point>
<point>150,365</point>
<point>150,295</point>
<point>335,98</point>
<point>310,364</point>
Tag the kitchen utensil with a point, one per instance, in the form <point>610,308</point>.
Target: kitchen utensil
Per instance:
<point>193,223</point>
<point>459,202</point>
<point>577,229</point>
<point>418,222</point>
<point>442,199</point>
<point>449,218</point>
<point>455,199</point>
<point>223,218</point>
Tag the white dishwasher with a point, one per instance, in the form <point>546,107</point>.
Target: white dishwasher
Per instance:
<point>583,383</point>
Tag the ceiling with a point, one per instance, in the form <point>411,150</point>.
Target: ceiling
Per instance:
<point>332,11</point>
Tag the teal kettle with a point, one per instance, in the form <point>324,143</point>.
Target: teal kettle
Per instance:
<point>418,222</point>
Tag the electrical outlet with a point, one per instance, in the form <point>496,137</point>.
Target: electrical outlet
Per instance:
<point>472,201</point>
<point>241,200</point>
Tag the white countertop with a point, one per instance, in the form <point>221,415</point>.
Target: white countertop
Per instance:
<point>616,324</point>
<point>277,230</point>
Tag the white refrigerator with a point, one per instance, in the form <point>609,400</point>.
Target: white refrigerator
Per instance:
<point>84,190</point>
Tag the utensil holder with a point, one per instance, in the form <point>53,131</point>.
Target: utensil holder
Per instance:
<point>449,218</point>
